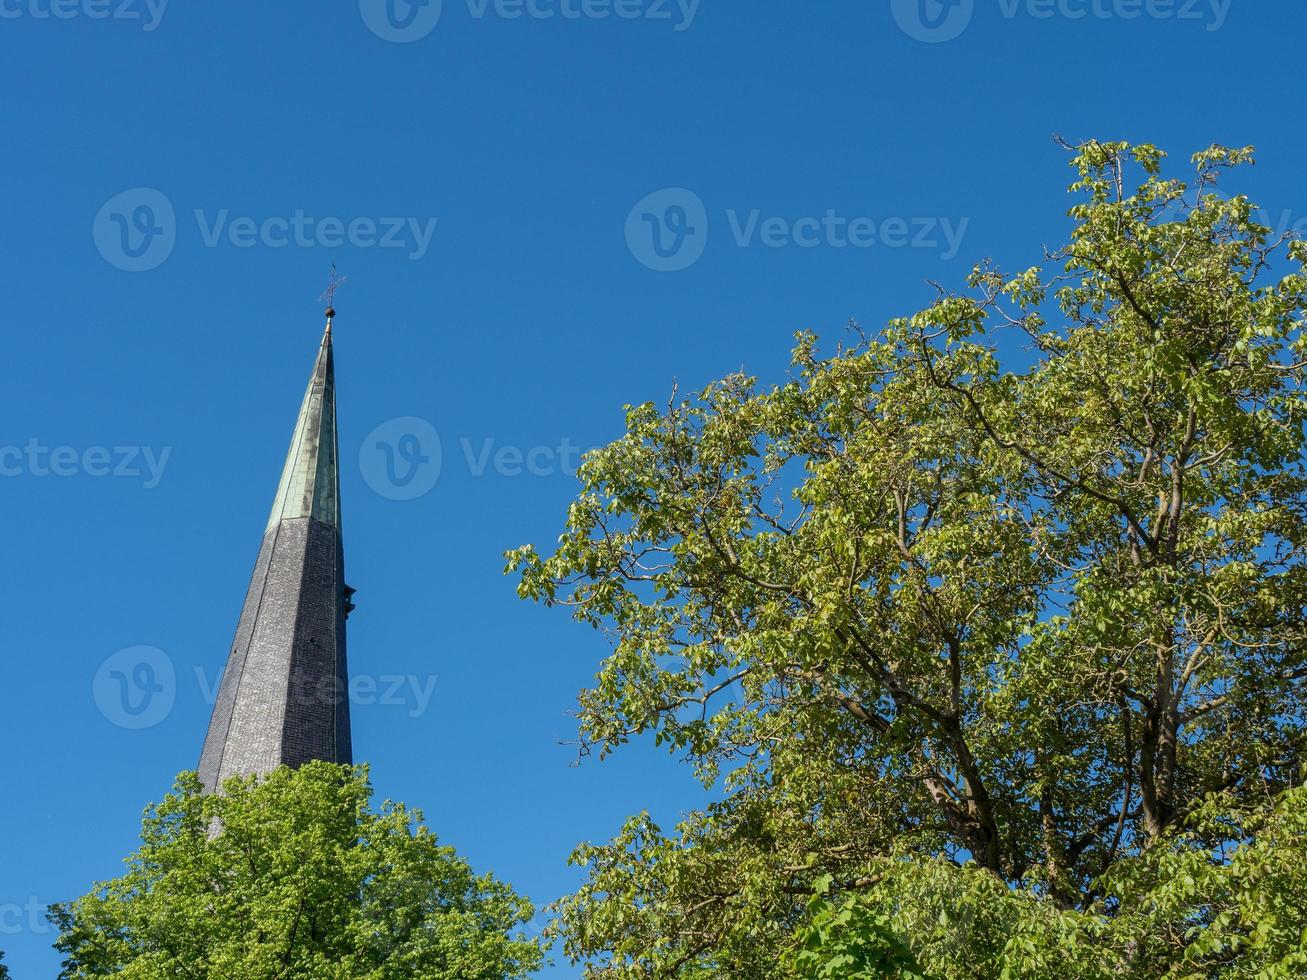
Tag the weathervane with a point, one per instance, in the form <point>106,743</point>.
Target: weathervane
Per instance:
<point>329,294</point>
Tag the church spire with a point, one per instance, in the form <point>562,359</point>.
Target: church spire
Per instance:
<point>283,698</point>
<point>310,484</point>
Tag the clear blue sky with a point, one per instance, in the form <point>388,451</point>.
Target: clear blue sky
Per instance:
<point>796,132</point>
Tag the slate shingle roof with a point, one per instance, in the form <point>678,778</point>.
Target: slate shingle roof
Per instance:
<point>284,694</point>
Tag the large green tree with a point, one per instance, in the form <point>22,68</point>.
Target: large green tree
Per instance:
<point>1183,908</point>
<point>294,876</point>
<point>1016,582</point>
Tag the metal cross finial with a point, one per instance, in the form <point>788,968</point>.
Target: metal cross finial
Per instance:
<point>328,296</point>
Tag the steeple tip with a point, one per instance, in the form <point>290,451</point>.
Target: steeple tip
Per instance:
<point>329,296</point>
<point>310,480</point>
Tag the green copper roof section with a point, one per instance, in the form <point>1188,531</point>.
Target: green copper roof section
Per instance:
<point>310,481</point>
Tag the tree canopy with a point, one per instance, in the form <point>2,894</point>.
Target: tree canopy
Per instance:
<point>998,609</point>
<point>1181,909</point>
<point>294,875</point>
